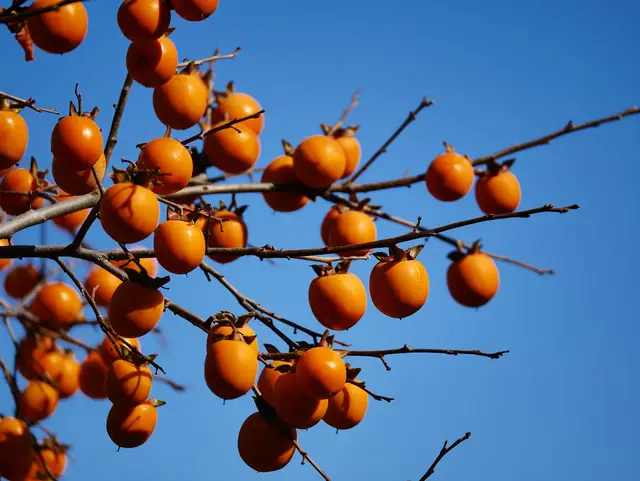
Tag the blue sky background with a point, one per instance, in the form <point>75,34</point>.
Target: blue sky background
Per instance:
<point>564,403</point>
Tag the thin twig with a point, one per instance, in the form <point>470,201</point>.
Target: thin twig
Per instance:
<point>410,118</point>
<point>213,58</point>
<point>28,103</point>
<point>23,15</point>
<point>443,452</point>
<point>307,458</point>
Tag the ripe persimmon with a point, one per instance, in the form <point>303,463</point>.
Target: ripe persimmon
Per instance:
<point>232,150</point>
<point>281,171</point>
<point>68,378</point>
<point>352,227</point>
<point>18,180</point>
<point>347,408</point>
<point>101,284</point>
<point>108,350</point>
<point>399,286</point>
<point>225,330</point>
<point>181,102</point>
<point>268,377</point>
<point>338,300</point>
<point>131,426</point>
<point>77,140</point>
<point>55,461</point>
<point>5,262</point>
<point>57,303</point>
<point>16,451</point>
<point>143,19</point>
<point>352,150</point>
<point>129,213</point>
<point>195,10</point>
<point>128,383</point>
<point>76,181</point>
<point>72,221</point>
<point>449,176</point>
<point>135,310</point>
<point>498,192</point>
<point>173,161</point>
<point>60,30</point>
<point>319,161</point>
<point>14,138</point>
<point>236,105</point>
<point>473,279</point>
<point>294,406</point>
<point>152,62</point>
<point>21,280</point>
<point>230,368</point>
<point>93,376</point>
<point>179,246</point>
<point>321,372</point>
<point>231,232</point>
<point>38,400</point>
<point>263,446</point>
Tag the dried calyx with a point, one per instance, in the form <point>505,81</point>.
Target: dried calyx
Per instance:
<point>328,270</point>
<point>226,318</point>
<point>461,251</point>
<point>397,254</point>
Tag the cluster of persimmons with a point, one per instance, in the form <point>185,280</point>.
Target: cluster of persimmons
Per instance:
<point>297,391</point>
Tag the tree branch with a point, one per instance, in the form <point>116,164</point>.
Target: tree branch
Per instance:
<point>443,452</point>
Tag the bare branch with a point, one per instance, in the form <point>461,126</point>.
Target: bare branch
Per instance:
<point>23,15</point>
<point>28,103</point>
<point>443,452</point>
<point>213,58</point>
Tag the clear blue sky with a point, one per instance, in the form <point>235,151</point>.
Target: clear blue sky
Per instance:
<point>564,403</point>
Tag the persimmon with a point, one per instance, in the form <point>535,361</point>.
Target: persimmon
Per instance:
<point>68,378</point>
<point>152,62</point>
<point>101,284</point>
<point>268,377</point>
<point>14,138</point>
<point>31,349</point>
<point>399,286</point>
<point>319,161</point>
<point>231,232</point>
<point>72,221</point>
<point>55,461</point>
<point>18,180</point>
<point>128,383</point>
<point>5,262</point>
<point>195,10</point>
<point>61,30</point>
<point>473,279</point>
<point>77,181</point>
<point>38,400</point>
<point>281,171</point>
<point>131,426</point>
<point>338,300</point>
<point>179,246</point>
<point>321,372</point>
<point>93,376</point>
<point>498,192</point>
<point>129,213</point>
<point>236,105</point>
<point>181,102</point>
<point>21,280</point>
<point>347,408</point>
<point>149,264</point>
<point>173,161</point>
<point>16,451</point>
<point>232,150</point>
<point>263,446</point>
<point>143,19</point>
<point>225,330</point>
<point>135,310</point>
<point>294,406</point>
<point>352,227</point>
<point>77,140</point>
<point>108,350</point>
<point>352,151</point>
<point>57,303</point>
<point>230,368</point>
<point>449,176</point>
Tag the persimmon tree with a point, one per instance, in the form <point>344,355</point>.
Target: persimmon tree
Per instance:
<point>166,197</point>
